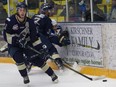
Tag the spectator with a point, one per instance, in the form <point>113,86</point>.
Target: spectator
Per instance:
<point>72,14</point>
<point>3,13</point>
<point>33,4</point>
<point>54,6</point>
<point>112,14</point>
<point>70,3</point>
<point>72,11</point>
<point>98,14</point>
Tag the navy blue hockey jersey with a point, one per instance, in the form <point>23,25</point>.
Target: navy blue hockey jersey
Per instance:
<point>14,29</point>
<point>43,24</point>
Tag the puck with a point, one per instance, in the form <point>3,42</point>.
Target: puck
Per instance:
<point>104,80</point>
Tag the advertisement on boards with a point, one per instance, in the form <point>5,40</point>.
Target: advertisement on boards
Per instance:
<point>86,44</point>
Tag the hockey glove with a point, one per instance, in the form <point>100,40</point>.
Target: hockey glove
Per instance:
<point>44,53</point>
<point>64,38</point>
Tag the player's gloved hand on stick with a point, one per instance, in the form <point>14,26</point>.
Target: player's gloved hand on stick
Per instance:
<point>64,38</point>
<point>44,52</point>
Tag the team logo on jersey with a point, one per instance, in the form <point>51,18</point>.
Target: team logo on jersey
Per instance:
<point>15,27</point>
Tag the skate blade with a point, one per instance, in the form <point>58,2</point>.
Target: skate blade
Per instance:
<point>56,81</point>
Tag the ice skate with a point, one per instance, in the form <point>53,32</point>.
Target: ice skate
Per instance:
<point>54,78</point>
<point>59,63</point>
<point>26,80</point>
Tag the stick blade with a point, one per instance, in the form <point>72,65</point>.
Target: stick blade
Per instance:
<point>98,78</point>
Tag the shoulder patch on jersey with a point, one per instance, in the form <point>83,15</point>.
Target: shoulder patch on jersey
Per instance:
<point>15,27</point>
<point>8,19</point>
<point>41,15</point>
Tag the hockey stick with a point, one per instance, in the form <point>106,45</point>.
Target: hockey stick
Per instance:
<point>31,48</point>
<point>67,65</point>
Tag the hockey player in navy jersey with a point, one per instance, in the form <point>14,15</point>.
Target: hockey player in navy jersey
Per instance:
<point>44,26</point>
<point>20,33</point>
<point>58,36</point>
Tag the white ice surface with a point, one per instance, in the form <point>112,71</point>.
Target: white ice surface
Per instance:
<point>10,77</point>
